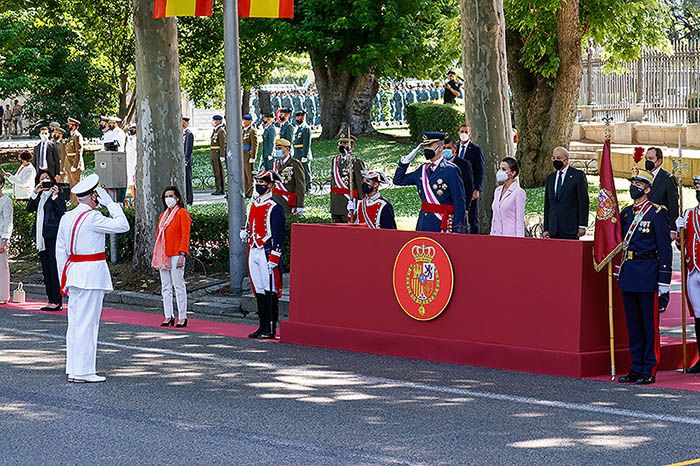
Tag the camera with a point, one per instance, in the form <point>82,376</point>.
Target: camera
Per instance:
<point>47,184</point>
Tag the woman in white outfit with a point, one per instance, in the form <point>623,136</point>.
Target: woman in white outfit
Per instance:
<point>24,181</point>
<point>6,217</point>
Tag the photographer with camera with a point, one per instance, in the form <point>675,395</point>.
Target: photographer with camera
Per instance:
<point>49,207</point>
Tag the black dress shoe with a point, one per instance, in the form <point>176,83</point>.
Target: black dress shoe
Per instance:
<point>632,377</point>
<point>181,323</point>
<point>168,322</point>
<point>51,308</point>
<point>266,336</point>
<point>254,334</point>
<point>695,369</point>
<point>646,380</point>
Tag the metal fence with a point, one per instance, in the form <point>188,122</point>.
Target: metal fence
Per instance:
<point>666,86</point>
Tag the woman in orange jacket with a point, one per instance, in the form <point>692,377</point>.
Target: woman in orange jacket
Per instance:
<point>171,247</point>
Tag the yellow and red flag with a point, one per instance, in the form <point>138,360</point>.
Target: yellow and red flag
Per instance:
<point>166,8</point>
<point>266,8</point>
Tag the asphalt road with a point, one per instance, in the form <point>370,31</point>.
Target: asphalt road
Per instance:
<point>184,398</point>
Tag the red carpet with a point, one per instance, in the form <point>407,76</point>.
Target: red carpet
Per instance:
<point>144,319</point>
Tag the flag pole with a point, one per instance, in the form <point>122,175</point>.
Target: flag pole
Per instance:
<point>684,280</point>
<point>611,322</point>
<point>234,148</point>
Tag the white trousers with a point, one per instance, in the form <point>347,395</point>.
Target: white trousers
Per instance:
<point>84,310</point>
<point>169,279</point>
<point>4,277</point>
<point>694,291</point>
<point>257,264</point>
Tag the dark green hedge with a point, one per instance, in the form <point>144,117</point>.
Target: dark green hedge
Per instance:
<point>430,116</point>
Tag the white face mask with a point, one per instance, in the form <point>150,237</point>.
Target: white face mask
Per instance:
<point>501,176</point>
<point>464,137</point>
<point>44,137</point>
<point>278,154</point>
<point>170,202</point>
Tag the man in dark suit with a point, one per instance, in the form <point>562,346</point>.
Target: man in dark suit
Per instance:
<point>465,169</point>
<point>664,190</point>
<point>46,158</point>
<point>565,199</point>
<point>472,153</point>
<point>188,141</point>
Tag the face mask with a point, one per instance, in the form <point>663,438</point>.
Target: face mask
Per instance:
<point>278,154</point>
<point>429,153</point>
<point>300,122</point>
<point>44,137</point>
<point>697,195</point>
<point>649,165</point>
<point>464,137</point>
<point>367,188</point>
<point>343,150</point>
<point>170,202</point>
<point>447,153</point>
<point>132,131</point>
<point>558,164</point>
<point>501,176</point>
<point>260,189</point>
<point>57,137</point>
<point>636,192</point>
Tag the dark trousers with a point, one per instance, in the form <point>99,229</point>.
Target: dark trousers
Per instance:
<point>473,216</point>
<point>189,193</point>
<point>50,270</point>
<point>337,218</point>
<point>563,236</point>
<point>643,329</point>
<point>218,168</point>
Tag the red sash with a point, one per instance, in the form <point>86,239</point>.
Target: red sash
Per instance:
<point>345,192</point>
<point>73,258</point>
<point>444,210</point>
<point>290,197</point>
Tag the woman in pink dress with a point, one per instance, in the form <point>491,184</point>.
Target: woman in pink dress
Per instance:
<point>508,201</point>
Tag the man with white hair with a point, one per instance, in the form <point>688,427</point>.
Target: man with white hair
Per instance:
<point>85,277</point>
<point>565,199</point>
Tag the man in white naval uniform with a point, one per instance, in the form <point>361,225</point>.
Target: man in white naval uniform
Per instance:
<point>82,266</point>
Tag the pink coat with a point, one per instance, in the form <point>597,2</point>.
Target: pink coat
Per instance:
<point>509,212</point>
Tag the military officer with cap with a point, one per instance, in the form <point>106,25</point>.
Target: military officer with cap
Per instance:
<point>373,210</point>
<point>269,137</point>
<point>690,222</point>
<point>218,153</point>
<point>342,200</point>
<point>290,190</point>
<point>302,145</point>
<point>265,234</point>
<point>75,164</point>
<point>645,273</point>
<point>440,187</point>
<point>57,136</point>
<point>250,153</point>
<point>286,126</point>
<point>85,277</point>
<point>188,146</point>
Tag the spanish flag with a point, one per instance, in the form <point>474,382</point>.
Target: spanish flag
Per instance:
<point>165,8</point>
<point>266,8</point>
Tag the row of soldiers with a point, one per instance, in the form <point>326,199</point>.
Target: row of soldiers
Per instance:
<point>11,120</point>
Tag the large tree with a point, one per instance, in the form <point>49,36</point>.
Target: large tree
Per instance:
<point>544,40</point>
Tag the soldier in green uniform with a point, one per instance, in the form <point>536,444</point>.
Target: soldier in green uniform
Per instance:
<point>302,146</point>
<point>289,192</point>
<point>218,153</point>
<point>57,137</point>
<point>269,136</point>
<point>250,153</point>
<point>342,165</point>
<point>286,126</point>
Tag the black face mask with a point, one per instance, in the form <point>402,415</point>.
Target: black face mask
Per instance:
<point>343,150</point>
<point>697,195</point>
<point>132,132</point>
<point>558,164</point>
<point>300,122</point>
<point>649,165</point>
<point>367,188</point>
<point>56,137</point>
<point>260,189</point>
<point>429,153</point>
<point>636,192</point>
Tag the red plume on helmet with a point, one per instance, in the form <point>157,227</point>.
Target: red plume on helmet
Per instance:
<point>638,154</point>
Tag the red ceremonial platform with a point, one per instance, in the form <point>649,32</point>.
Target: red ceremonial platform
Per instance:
<point>509,303</point>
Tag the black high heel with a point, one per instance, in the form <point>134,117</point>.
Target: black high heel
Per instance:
<point>168,322</point>
<point>182,323</point>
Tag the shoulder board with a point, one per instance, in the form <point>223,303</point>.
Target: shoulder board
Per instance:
<point>658,207</point>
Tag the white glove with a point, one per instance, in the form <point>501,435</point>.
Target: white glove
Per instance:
<point>244,235</point>
<point>73,169</point>
<point>304,160</point>
<point>222,158</point>
<point>104,198</point>
<point>299,210</point>
<point>271,266</point>
<point>407,159</point>
<point>680,222</point>
<point>352,205</point>
<point>251,160</point>
<point>663,289</point>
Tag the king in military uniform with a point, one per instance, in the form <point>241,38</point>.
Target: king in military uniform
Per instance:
<point>218,153</point>
<point>289,191</point>
<point>440,187</point>
<point>265,234</point>
<point>645,273</point>
<point>302,146</point>
<point>373,210</point>
<point>250,152</point>
<point>342,166</point>
<point>690,222</point>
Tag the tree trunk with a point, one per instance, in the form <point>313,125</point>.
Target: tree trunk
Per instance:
<point>486,91</point>
<point>245,104</point>
<point>544,111</point>
<point>160,151</point>
<point>345,99</point>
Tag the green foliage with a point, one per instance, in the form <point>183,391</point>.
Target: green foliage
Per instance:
<point>430,116</point>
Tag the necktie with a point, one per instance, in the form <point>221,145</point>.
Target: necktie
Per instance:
<point>42,155</point>
<point>560,181</point>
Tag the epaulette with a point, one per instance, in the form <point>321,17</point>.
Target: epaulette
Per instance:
<point>658,207</point>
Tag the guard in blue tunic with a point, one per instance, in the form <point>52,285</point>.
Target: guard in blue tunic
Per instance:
<point>645,273</point>
<point>439,184</point>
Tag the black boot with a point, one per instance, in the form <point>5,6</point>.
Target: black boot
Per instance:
<point>696,368</point>
<point>262,315</point>
<point>269,326</point>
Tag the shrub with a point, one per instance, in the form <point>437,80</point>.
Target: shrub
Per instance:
<point>430,116</point>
